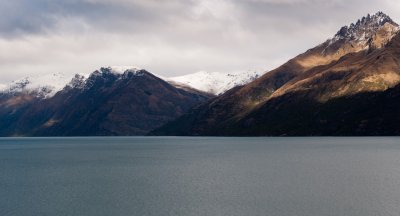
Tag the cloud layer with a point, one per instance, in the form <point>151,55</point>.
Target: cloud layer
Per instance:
<point>169,38</point>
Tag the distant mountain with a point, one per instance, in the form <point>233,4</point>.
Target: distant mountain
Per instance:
<point>110,101</point>
<point>215,82</point>
<point>324,91</point>
<point>210,82</point>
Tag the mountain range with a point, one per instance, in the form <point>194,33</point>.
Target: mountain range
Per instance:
<point>347,85</point>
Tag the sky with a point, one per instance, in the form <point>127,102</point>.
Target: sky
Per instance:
<point>168,37</point>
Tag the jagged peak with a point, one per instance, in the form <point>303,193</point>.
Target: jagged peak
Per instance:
<point>117,70</point>
<point>78,81</point>
<point>110,74</point>
<point>365,27</point>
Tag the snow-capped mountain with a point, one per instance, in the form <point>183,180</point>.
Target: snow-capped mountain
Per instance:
<point>46,86</point>
<point>216,82</point>
<point>41,86</point>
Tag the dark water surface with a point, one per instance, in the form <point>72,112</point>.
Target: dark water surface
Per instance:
<point>200,176</point>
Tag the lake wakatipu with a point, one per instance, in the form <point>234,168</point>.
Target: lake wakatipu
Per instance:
<point>186,176</point>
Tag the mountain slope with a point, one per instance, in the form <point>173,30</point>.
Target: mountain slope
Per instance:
<point>363,57</point>
<point>362,114</point>
<point>108,102</point>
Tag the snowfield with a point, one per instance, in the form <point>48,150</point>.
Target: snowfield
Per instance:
<point>45,86</point>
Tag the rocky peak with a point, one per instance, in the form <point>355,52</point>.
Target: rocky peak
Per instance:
<point>366,27</point>
<point>78,81</point>
<point>369,32</point>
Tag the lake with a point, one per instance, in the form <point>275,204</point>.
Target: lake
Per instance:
<point>200,176</point>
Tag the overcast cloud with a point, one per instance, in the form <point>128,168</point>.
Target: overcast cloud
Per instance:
<point>171,37</point>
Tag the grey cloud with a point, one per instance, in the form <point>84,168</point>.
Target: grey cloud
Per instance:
<point>30,17</point>
<point>27,16</point>
<point>168,37</point>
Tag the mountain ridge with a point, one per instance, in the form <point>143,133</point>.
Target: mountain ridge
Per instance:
<point>48,85</point>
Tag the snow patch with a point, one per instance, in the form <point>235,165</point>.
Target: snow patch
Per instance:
<point>123,69</point>
<point>3,87</point>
